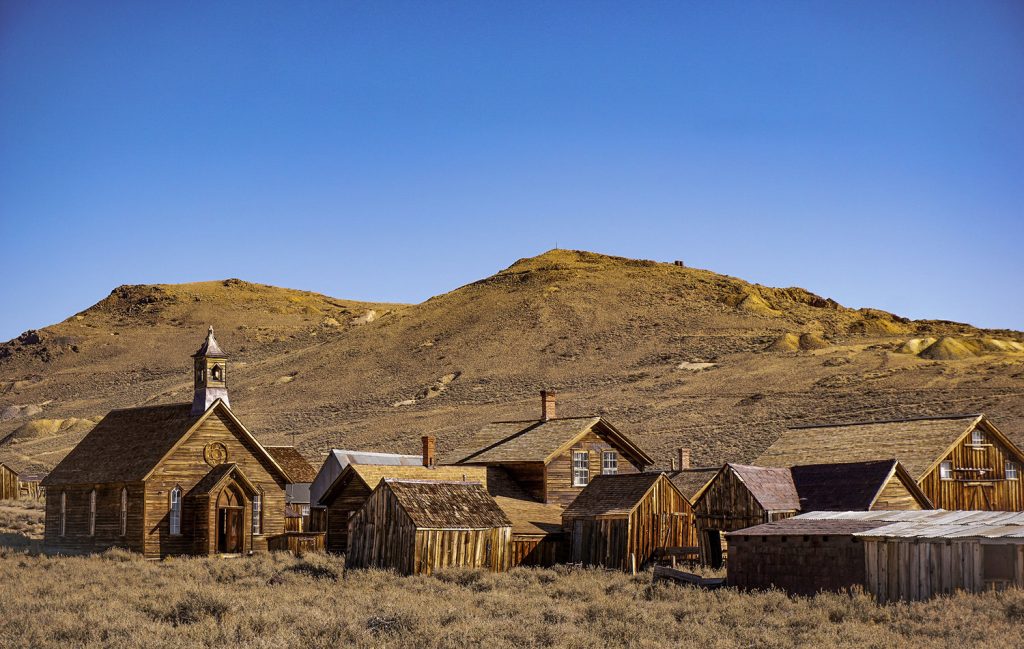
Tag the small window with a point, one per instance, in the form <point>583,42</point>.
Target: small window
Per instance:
<point>257,515</point>
<point>1012,471</point>
<point>580,468</point>
<point>977,437</point>
<point>92,513</point>
<point>124,511</point>
<point>63,511</point>
<point>946,470</point>
<point>175,517</point>
<point>609,462</point>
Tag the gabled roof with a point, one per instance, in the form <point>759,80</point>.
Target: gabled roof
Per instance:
<point>432,504</point>
<point>691,482</point>
<point>220,474</point>
<point>127,445</point>
<point>340,458</point>
<point>772,487</point>
<point>917,443</point>
<point>294,463</point>
<point>538,440</point>
<point>372,474</point>
<point>849,486</point>
<point>612,495</point>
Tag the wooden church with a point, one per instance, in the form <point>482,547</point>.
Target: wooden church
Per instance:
<point>173,479</point>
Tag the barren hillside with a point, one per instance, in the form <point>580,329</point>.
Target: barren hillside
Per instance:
<point>672,355</point>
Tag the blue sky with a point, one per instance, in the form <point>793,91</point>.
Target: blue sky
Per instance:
<point>870,152</point>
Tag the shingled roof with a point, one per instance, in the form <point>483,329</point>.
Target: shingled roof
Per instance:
<point>916,443</point>
<point>847,486</point>
<point>772,487</point>
<point>294,463</point>
<point>372,474</point>
<point>536,440</point>
<point>611,495</point>
<point>433,504</point>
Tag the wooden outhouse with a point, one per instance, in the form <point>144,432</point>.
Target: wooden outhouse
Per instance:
<point>8,483</point>
<point>620,521</point>
<point>961,462</point>
<point>422,526</point>
<point>552,459</point>
<point>173,479</point>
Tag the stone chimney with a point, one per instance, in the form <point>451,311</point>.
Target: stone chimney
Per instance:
<point>547,405</point>
<point>428,451</point>
<point>684,458</point>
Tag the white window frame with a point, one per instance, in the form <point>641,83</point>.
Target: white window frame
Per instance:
<point>63,511</point>
<point>257,514</point>
<point>92,513</point>
<point>580,469</point>
<point>977,437</point>
<point>174,518</point>
<point>1012,470</point>
<point>946,470</point>
<point>609,462</point>
<point>124,511</point>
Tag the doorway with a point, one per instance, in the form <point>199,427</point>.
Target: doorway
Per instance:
<point>230,521</point>
<point>713,545</point>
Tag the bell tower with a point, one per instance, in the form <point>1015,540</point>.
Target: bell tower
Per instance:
<point>210,365</point>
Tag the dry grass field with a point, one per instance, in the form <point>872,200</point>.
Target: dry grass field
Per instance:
<point>119,600</point>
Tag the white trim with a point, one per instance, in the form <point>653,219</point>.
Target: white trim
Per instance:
<point>174,512</point>
<point>581,471</point>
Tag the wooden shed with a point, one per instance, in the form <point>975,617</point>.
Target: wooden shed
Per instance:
<point>296,493</point>
<point>422,526</point>
<point>620,521</point>
<point>8,483</point>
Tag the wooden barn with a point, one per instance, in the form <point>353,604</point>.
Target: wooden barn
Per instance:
<point>620,521</point>
<point>172,479</point>
<point>552,459</point>
<point>296,493</point>
<point>961,462</point>
<point>8,483</point>
<point>741,496</point>
<point>422,526</point>
<point>895,555</point>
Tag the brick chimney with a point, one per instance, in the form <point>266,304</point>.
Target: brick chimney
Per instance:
<point>428,451</point>
<point>684,458</point>
<point>547,405</point>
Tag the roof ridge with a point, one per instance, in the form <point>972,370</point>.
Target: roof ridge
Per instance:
<point>886,421</point>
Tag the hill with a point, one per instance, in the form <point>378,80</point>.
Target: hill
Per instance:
<point>674,356</point>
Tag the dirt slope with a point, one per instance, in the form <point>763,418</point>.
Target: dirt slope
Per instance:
<point>674,356</point>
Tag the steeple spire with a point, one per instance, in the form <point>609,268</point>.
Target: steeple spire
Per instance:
<point>210,378</point>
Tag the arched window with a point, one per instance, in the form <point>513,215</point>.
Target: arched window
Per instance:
<point>175,517</point>
<point>257,514</point>
<point>92,513</point>
<point>63,511</point>
<point>124,511</point>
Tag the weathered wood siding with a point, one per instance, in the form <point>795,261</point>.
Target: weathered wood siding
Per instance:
<point>529,476</point>
<point>974,489</point>
<point>919,569</point>
<point>381,535</point>
<point>185,467</point>
<point>8,483</point>
<point>339,512</point>
<point>539,550</point>
<point>800,565</point>
<point>298,543</point>
<point>76,538</point>
<point>895,496</point>
<point>558,472</point>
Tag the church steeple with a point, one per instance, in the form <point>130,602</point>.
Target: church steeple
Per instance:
<point>210,377</point>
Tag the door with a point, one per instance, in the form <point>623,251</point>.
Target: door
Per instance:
<point>714,547</point>
<point>229,530</point>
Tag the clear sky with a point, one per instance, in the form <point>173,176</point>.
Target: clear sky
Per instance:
<point>870,152</point>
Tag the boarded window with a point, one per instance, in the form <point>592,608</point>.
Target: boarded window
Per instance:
<point>92,512</point>
<point>609,462</point>
<point>175,517</point>
<point>946,470</point>
<point>257,515</point>
<point>997,562</point>
<point>1012,471</point>
<point>580,468</point>
<point>124,511</point>
<point>63,511</point>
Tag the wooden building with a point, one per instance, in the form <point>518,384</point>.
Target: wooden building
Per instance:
<point>296,493</point>
<point>422,526</point>
<point>171,479</point>
<point>741,496</point>
<point>537,535</point>
<point>961,462</point>
<point>552,459</point>
<point>8,483</point>
<point>895,555</point>
<point>620,521</point>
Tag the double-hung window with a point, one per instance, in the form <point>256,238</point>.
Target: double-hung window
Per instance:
<point>92,513</point>
<point>977,437</point>
<point>257,514</point>
<point>124,511</point>
<point>1012,470</point>
<point>175,517</point>
<point>63,511</point>
<point>580,468</point>
<point>609,462</point>
<point>946,470</point>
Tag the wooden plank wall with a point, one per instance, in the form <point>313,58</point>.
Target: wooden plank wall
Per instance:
<point>489,548</point>
<point>558,472</point>
<point>539,550</point>
<point>909,570</point>
<point>800,565</point>
<point>340,510</point>
<point>961,493</point>
<point>31,490</point>
<point>76,539</point>
<point>298,543</point>
<point>727,505</point>
<point>8,483</point>
<point>895,496</point>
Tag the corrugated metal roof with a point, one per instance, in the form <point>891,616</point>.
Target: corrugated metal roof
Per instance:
<point>936,524</point>
<point>339,458</point>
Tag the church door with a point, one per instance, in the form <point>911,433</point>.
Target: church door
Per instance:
<point>230,522</point>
